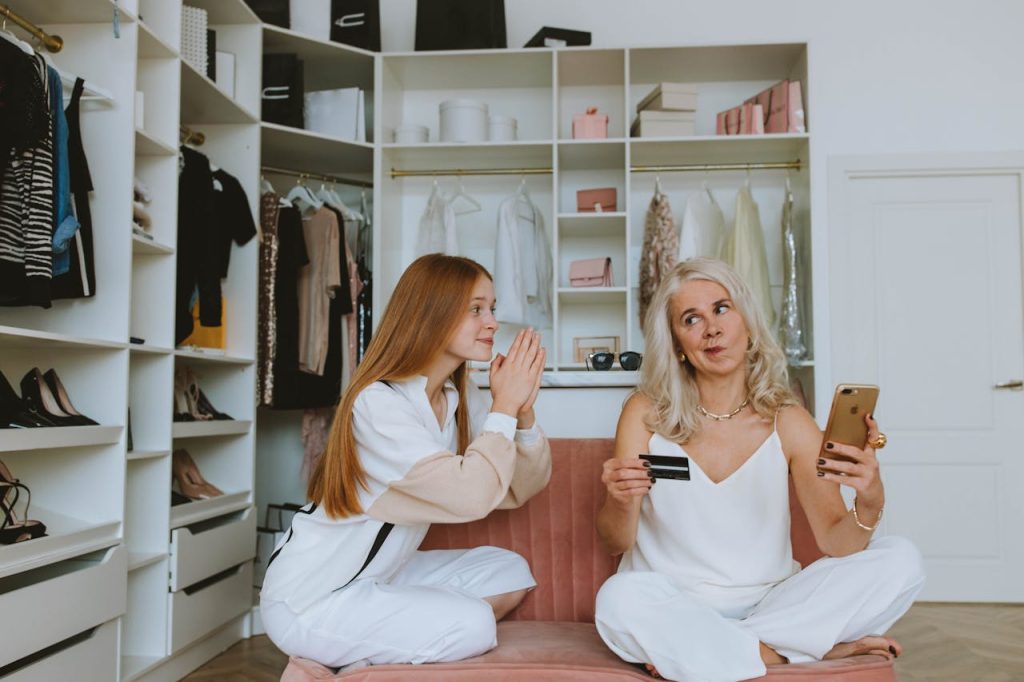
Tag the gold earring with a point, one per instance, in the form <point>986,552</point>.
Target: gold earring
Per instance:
<point>682,358</point>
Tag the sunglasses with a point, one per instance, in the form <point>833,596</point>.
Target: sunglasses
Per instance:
<point>602,362</point>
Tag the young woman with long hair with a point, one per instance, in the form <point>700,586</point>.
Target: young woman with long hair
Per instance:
<point>413,443</point>
<point>707,588</point>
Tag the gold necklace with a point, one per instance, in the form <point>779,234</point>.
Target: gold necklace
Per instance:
<point>722,417</point>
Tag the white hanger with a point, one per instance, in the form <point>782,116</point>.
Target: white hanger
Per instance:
<point>265,185</point>
<point>18,42</point>
<point>523,201</point>
<point>462,194</point>
<point>303,198</point>
<point>657,184</point>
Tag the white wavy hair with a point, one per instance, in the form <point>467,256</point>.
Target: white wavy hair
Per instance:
<point>671,385</point>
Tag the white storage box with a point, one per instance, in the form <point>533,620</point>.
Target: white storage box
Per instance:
<point>338,113</point>
<point>193,37</point>
<point>664,124</point>
<point>412,134</point>
<point>463,120</point>
<point>501,128</point>
<point>669,97</point>
<point>311,18</point>
<point>226,72</point>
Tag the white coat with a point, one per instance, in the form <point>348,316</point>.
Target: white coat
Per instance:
<point>522,264</point>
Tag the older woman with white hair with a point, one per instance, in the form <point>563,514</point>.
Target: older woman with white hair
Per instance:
<point>707,588</point>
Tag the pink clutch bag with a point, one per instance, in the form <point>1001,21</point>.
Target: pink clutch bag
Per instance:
<point>590,125</point>
<point>591,272</point>
<point>596,200</point>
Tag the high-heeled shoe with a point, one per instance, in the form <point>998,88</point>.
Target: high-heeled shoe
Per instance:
<point>12,530</point>
<point>14,413</point>
<point>190,482</point>
<point>40,400</point>
<point>56,387</point>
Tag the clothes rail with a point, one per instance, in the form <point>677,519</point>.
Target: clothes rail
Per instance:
<point>302,175</point>
<point>52,43</point>
<point>398,173</point>
<point>189,136</point>
<point>704,167</point>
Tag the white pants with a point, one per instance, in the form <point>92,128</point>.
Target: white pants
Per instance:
<point>647,617</point>
<point>431,611</point>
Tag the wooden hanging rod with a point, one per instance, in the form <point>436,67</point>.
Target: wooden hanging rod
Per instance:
<point>704,167</point>
<point>398,173</point>
<point>189,136</point>
<point>52,43</point>
<point>302,175</point>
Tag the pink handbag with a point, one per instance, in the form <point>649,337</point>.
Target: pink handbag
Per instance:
<point>598,200</point>
<point>591,272</point>
<point>590,125</point>
<point>783,107</point>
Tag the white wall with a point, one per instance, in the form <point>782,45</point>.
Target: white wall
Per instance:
<point>893,76</point>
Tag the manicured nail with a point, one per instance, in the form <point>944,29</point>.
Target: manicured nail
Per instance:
<point>821,462</point>
<point>650,475</point>
<point>892,650</point>
<point>646,463</point>
<point>829,446</point>
<point>820,474</point>
<point>653,480</point>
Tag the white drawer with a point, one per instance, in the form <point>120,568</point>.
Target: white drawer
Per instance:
<point>198,610</point>
<point>207,548</point>
<point>63,599</point>
<point>92,659</point>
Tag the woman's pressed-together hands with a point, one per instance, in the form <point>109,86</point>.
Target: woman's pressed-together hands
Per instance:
<point>516,377</point>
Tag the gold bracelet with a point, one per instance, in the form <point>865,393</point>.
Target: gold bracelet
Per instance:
<point>856,518</point>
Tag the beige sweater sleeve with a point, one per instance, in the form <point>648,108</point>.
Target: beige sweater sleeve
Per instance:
<point>448,488</point>
<point>533,471</point>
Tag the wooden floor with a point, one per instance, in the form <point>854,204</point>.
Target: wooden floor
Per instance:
<point>966,643</point>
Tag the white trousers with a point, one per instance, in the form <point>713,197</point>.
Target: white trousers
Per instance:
<point>431,611</point>
<point>647,617</point>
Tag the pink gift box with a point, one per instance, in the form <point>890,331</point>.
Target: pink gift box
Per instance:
<point>590,126</point>
<point>783,107</point>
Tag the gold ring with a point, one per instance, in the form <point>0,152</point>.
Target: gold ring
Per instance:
<point>879,442</point>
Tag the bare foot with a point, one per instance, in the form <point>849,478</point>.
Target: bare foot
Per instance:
<point>652,671</point>
<point>879,646</point>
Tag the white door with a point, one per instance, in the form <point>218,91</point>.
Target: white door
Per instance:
<point>926,301</point>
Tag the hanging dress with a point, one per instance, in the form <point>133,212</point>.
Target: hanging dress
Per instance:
<point>791,325</point>
<point>703,230</point>
<point>745,251</point>
<point>437,226</point>
<point>661,246</point>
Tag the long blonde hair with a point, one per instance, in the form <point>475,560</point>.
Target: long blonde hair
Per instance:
<point>671,385</point>
<point>428,305</point>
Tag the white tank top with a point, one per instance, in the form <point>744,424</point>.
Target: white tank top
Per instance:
<point>725,542</point>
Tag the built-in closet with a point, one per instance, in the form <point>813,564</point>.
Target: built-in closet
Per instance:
<point>130,585</point>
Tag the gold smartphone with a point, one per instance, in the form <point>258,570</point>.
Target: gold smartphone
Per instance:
<point>846,419</point>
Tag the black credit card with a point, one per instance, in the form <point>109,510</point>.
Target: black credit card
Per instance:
<point>662,466</point>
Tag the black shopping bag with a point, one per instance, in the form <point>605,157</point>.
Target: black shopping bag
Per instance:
<point>356,23</point>
<point>282,89</point>
<point>271,11</point>
<point>460,24</point>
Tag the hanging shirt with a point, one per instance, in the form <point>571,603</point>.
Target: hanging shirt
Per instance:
<point>65,223</point>
<point>703,230</point>
<point>661,246</point>
<point>522,265</point>
<point>415,477</point>
<point>318,282</point>
<point>437,227</point>
<point>744,250</point>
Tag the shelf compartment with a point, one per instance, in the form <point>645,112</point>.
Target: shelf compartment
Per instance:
<point>584,225</point>
<point>719,149</point>
<point>152,46</point>
<point>589,78</point>
<point>78,594</point>
<point>58,437</point>
<point>202,550</point>
<point>210,428</point>
<point>146,144</point>
<point>88,657</point>
<point>150,247</point>
<point>203,102</point>
<point>66,537</point>
<point>202,510</point>
<point>304,150</point>
<point>591,295</point>
<point>140,560</point>
<point>194,614</point>
<point>590,154</point>
<point>327,64</point>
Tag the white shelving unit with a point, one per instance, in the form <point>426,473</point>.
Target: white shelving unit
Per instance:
<point>543,88</point>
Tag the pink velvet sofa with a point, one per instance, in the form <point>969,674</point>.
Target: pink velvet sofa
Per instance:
<point>551,636</point>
